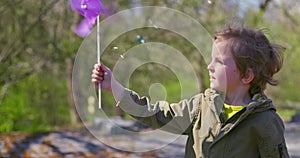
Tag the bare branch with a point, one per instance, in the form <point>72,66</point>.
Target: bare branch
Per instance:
<point>263,6</point>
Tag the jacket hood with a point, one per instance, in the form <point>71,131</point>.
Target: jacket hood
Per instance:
<point>260,102</point>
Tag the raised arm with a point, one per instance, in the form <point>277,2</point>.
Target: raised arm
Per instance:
<point>175,117</point>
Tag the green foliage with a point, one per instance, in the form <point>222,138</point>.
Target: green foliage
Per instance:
<point>38,103</point>
<point>289,78</point>
<point>37,39</point>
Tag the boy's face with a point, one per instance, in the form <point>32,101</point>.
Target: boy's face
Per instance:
<point>223,72</point>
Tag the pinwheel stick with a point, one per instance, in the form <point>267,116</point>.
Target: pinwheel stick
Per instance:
<point>98,59</point>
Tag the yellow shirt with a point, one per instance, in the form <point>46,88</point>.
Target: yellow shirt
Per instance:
<point>230,110</point>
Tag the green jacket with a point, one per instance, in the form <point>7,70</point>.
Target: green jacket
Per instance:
<point>254,132</point>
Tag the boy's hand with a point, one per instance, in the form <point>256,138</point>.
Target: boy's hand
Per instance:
<point>103,75</point>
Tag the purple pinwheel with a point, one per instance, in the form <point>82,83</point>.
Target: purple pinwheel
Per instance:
<point>90,9</point>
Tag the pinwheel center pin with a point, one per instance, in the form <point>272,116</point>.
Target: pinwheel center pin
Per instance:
<point>84,6</point>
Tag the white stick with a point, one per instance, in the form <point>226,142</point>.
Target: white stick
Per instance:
<point>98,59</point>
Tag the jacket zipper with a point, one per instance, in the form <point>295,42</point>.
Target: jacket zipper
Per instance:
<point>236,116</point>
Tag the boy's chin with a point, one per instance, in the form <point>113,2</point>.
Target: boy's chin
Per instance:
<point>217,89</point>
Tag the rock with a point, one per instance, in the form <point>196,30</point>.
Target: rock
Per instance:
<point>296,117</point>
<point>116,126</point>
<point>39,150</point>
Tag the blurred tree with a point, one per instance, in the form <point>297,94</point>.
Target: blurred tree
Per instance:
<point>37,41</point>
<point>37,48</point>
<point>34,38</point>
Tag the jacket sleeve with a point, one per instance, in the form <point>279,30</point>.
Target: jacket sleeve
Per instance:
<point>271,138</point>
<point>176,117</point>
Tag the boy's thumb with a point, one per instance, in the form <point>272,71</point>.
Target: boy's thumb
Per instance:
<point>104,68</point>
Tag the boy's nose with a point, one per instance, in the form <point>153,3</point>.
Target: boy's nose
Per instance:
<point>210,67</point>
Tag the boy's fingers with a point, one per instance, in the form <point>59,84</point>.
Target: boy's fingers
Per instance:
<point>97,79</point>
<point>95,76</point>
<point>99,72</point>
<point>96,66</point>
<point>102,67</point>
<point>96,72</point>
<point>94,81</point>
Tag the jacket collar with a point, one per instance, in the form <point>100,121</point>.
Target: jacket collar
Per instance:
<point>259,103</point>
<point>216,104</point>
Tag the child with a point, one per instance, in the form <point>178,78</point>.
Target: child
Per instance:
<point>233,118</point>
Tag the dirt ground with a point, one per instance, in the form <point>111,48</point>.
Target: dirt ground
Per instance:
<point>80,143</point>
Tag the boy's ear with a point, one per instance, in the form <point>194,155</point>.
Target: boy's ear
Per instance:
<point>248,77</point>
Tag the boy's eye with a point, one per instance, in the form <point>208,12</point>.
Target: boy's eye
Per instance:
<point>219,61</point>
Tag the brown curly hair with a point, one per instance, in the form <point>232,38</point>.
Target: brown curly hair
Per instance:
<point>251,49</point>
